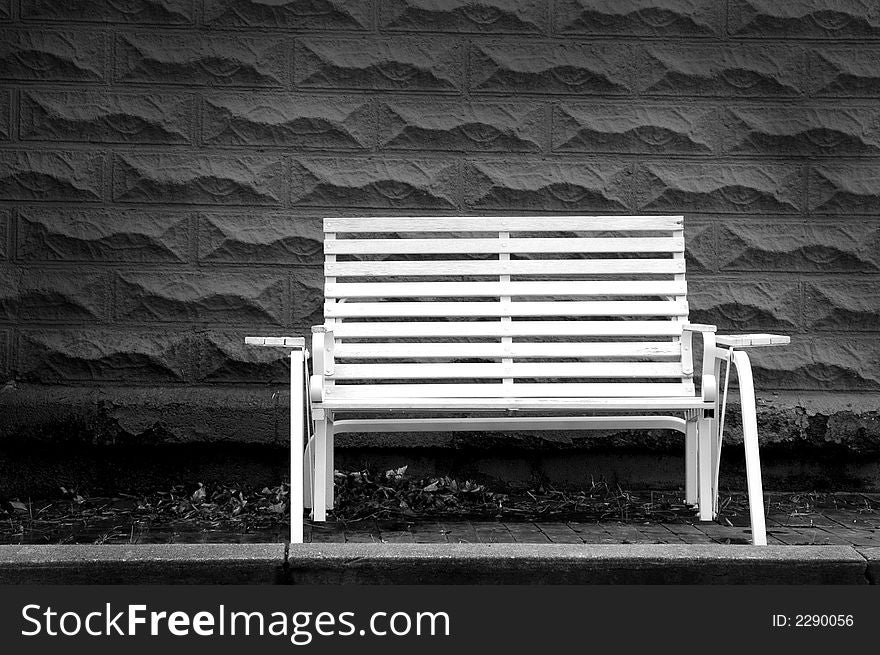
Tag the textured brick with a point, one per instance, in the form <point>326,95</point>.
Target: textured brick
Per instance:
<point>205,179</point>
<point>840,246</point>
<point>299,14</point>
<point>163,12</point>
<point>5,224</point>
<point>640,17</point>
<point>846,72</point>
<point>603,127</point>
<point>297,121</point>
<point>114,118</point>
<point>6,354</point>
<point>49,175</point>
<point>201,297</point>
<point>820,363</point>
<point>452,125</point>
<point>307,294</point>
<point>38,54</point>
<point>398,63</point>
<point>721,187</point>
<point>699,252</point>
<point>51,234</point>
<point>224,357</point>
<point>216,60</point>
<point>850,305</point>
<point>745,305</point>
<point>513,16</point>
<point>374,183</point>
<point>727,70</point>
<point>545,185</point>
<point>845,188</point>
<point>52,295</point>
<point>807,18</point>
<point>526,67</point>
<point>803,131</point>
<point>104,355</point>
<point>260,238</point>
<point>5,119</point>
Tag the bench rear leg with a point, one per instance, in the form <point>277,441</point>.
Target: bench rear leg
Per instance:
<point>705,464</point>
<point>309,471</point>
<point>322,476</point>
<point>690,461</point>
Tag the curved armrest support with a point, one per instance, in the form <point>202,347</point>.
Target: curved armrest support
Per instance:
<point>709,386</point>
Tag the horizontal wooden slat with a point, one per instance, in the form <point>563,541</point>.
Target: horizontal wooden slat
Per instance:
<point>512,267</point>
<point>382,405</point>
<point>522,390</point>
<point>507,329</point>
<point>462,245</point>
<point>563,308</point>
<point>496,289</point>
<point>429,350</point>
<point>504,224</point>
<point>450,370</point>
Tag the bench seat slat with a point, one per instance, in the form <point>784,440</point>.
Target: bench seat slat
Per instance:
<point>495,289</point>
<point>510,329</point>
<point>511,267</point>
<point>563,308</point>
<point>426,350</point>
<point>504,224</point>
<point>534,245</point>
<point>567,405</point>
<point>520,390</point>
<point>515,370</point>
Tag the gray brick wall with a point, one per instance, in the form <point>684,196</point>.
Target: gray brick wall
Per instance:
<point>164,164</point>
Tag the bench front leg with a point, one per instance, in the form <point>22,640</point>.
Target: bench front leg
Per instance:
<point>743,366</point>
<point>298,399</point>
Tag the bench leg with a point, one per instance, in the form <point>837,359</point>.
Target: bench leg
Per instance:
<point>297,435</point>
<point>705,465</point>
<point>330,495</point>
<point>750,441</point>
<point>690,461</point>
<point>309,472</point>
<point>323,440</point>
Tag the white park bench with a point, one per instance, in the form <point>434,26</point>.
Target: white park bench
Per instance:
<point>518,323</point>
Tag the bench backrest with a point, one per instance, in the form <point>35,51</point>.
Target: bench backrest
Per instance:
<point>546,306</point>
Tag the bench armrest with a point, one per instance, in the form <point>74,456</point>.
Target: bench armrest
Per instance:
<point>278,342</point>
<point>751,340</point>
<point>698,327</point>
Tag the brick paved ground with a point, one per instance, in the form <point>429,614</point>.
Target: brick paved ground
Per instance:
<point>815,528</point>
<point>844,519</point>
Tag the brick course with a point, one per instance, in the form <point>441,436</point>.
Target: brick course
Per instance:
<point>164,163</point>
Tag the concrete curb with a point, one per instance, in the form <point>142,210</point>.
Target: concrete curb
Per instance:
<point>438,564</point>
<point>143,564</point>
<point>574,564</point>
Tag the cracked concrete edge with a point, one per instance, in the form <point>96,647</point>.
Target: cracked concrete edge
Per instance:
<point>437,564</point>
<point>872,558</point>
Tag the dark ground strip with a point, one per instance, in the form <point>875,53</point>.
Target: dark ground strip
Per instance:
<point>639,518</point>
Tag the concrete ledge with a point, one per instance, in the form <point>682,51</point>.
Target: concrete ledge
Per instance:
<point>437,564</point>
<point>143,564</point>
<point>573,564</point>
